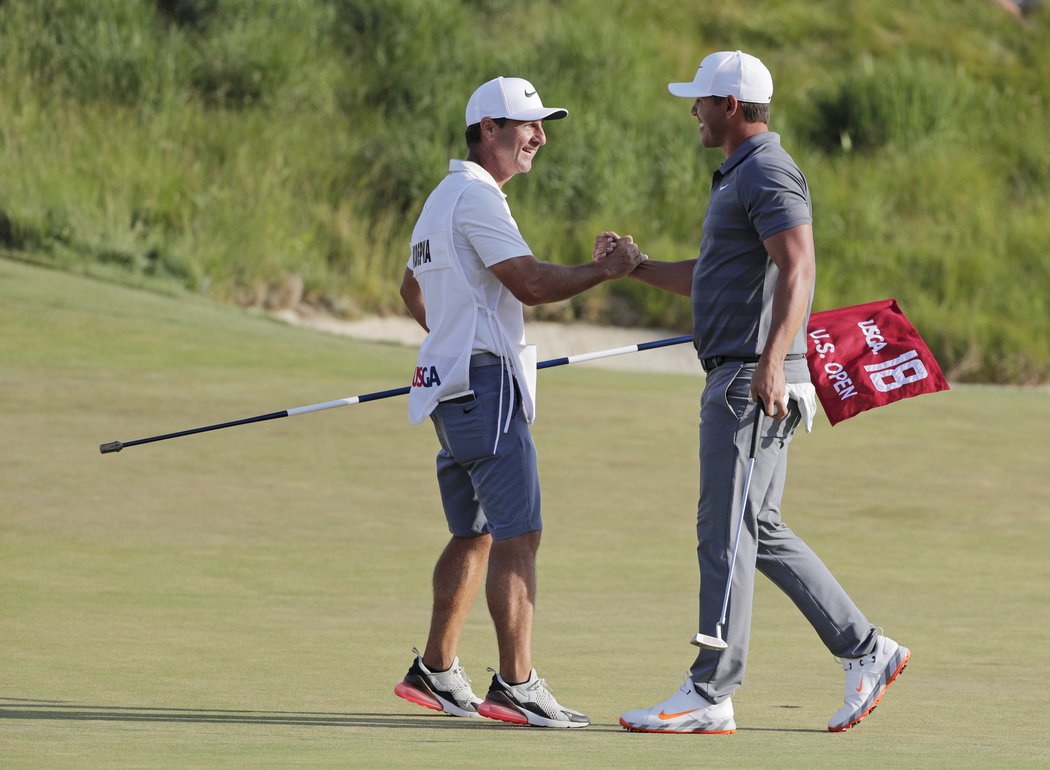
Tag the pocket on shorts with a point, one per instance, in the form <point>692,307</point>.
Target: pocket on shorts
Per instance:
<point>469,428</point>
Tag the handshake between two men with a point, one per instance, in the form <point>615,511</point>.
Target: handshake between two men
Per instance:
<point>619,254</point>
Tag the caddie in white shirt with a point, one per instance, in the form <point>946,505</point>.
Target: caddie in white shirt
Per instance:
<point>468,275</point>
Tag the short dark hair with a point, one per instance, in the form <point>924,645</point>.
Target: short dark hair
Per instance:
<point>473,132</point>
<point>754,112</point>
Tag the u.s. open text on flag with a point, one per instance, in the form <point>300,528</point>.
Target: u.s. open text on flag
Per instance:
<point>864,356</point>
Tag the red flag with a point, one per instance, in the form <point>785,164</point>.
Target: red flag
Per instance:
<point>864,356</point>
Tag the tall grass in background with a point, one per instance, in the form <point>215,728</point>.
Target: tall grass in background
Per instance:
<point>276,152</point>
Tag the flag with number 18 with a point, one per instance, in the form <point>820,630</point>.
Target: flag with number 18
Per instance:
<point>870,355</point>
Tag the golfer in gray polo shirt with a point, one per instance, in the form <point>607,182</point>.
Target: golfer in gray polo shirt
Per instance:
<point>751,289</point>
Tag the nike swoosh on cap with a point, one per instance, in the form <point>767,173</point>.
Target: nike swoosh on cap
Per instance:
<point>529,94</point>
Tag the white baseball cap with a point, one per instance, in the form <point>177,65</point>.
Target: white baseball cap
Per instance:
<point>729,73</point>
<point>512,98</point>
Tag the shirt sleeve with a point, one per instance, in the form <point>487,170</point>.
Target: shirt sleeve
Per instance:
<point>776,198</point>
<point>484,219</point>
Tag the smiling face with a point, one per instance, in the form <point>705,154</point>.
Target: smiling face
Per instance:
<point>724,124</point>
<point>513,147</point>
<point>710,113</point>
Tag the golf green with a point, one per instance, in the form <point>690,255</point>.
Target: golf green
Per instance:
<point>250,597</point>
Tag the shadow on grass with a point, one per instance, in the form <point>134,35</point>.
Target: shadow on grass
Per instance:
<point>28,708</point>
<point>25,708</point>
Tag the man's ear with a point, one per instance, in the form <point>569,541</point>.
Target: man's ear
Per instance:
<point>732,103</point>
<point>488,127</point>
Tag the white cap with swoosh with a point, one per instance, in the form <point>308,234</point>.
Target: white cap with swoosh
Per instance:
<point>512,98</point>
<point>729,73</point>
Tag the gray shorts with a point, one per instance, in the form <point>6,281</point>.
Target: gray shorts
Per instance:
<point>481,491</point>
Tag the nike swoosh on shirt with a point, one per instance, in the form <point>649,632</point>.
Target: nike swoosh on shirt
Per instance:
<point>723,187</point>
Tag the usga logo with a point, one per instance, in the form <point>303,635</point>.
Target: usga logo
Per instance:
<point>426,377</point>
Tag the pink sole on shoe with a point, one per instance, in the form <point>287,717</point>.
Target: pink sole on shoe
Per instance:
<point>501,713</point>
<point>420,698</point>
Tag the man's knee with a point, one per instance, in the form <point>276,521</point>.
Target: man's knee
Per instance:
<point>523,542</point>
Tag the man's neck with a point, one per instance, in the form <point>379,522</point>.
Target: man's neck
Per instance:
<point>744,132</point>
<point>488,163</point>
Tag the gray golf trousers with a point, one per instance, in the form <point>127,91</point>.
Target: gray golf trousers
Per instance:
<point>726,420</point>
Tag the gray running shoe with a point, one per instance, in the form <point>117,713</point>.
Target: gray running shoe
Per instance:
<point>530,703</point>
<point>447,691</point>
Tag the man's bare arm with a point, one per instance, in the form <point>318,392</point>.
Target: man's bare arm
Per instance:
<point>675,277</point>
<point>412,296</point>
<point>792,252</point>
<point>534,282</point>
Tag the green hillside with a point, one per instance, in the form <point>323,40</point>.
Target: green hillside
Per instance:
<point>273,152</point>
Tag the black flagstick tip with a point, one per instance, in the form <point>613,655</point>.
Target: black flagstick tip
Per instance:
<point>113,446</point>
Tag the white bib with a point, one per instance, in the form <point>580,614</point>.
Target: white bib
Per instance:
<point>454,308</point>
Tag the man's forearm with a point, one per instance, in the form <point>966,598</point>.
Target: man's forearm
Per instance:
<point>675,277</point>
<point>553,283</point>
<point>534,282</point>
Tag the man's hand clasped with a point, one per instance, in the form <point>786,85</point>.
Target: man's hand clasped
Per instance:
<point>619,253</point>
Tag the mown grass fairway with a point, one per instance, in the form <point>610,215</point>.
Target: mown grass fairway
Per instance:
<point>249,597</point>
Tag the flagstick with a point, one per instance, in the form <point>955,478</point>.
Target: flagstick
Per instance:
<point>116,446</point>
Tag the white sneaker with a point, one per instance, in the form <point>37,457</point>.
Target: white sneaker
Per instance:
<point>447,691</point>
<point>684,712</point>
<point>866,681</point>
<point>529,703</point>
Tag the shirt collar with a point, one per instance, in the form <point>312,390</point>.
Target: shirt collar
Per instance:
<point>472,169</point>
<point>746,148</point>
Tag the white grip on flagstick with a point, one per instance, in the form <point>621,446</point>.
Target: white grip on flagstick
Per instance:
<point>326,405</point>
<point>602,354</point>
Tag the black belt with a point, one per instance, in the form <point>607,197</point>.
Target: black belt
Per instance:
<point>715,361</point>
<point>485,359</point>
